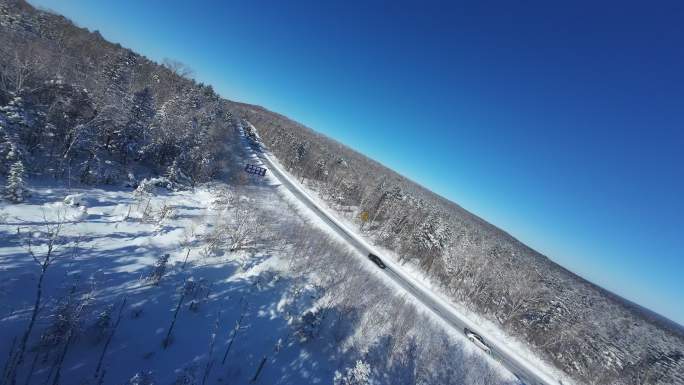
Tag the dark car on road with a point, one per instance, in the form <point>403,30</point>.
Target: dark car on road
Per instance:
<point>377,260</point>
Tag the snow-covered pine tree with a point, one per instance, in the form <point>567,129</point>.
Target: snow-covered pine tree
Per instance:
<point>14,132</point>
<point>7,150</point>
<point>15,190</point>
<point>15,112</point>
<point>173,173</point>
<point>166,131</point>
<point>113,99</point>
<point>429,240</point>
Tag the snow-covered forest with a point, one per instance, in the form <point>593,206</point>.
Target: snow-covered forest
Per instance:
<point>75,106</point>
<point>588,332</point>
<point>134,250</point>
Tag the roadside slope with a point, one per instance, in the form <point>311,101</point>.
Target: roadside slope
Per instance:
<point>523,365</point>
<point>589,333</point>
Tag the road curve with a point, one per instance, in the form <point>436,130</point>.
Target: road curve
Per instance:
<point>518,365</point>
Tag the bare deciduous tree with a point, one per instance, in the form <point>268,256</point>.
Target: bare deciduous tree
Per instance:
<point>178,68</point>
<point>109,339</point>
<point>21,65</point>
<point>236,329</point>
<point>43,251</point>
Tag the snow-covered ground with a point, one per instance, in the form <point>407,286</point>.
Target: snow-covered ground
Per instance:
<point>288,306</point>
<point>109,257</point>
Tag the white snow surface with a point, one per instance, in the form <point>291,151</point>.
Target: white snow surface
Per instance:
<point>74,199</point>
<point>112,251</point>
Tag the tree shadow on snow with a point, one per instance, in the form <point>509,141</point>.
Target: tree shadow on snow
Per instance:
<point>137,345</point>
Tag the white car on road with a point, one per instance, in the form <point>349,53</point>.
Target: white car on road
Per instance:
<point>477,340</point>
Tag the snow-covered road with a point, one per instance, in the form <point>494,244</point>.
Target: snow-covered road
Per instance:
<point>525,370</point>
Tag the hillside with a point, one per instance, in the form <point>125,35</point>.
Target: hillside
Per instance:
<point>142,168</point>
<point>592,334</point>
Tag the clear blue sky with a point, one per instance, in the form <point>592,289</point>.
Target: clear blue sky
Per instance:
<point>560,122</point>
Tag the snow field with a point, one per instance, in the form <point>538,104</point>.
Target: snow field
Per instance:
<point>118,243</point>
<point>292,301</point>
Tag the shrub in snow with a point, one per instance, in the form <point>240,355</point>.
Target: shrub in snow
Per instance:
<point>102,325</point>
<point>224,199</point>
<point>198,291</point>
<point>15,190</point>
<point>66,321</point>
<point>145,187</point>
<point>172,173</point>
<point>74,200</point>
<point>150,186</point>
<point>357,375</point>
<point>165,212</point>
<point>236,229</point>
<point>142,378</point>
<point>159,269</point>
<point>175,175</point>
<point>146,213</point>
